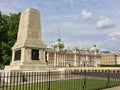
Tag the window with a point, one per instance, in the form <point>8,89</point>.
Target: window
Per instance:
<point>35,54</point>
<point>17,55</point>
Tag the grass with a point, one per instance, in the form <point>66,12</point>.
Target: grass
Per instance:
<point>90,84</point>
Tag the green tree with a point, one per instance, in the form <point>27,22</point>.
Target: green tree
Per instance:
<point>3,34</point>
<point>8,34</point>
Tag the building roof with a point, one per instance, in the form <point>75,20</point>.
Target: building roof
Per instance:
<point>58,42</point>
<point>94,48</point>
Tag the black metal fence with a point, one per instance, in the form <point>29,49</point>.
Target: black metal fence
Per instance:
<point>59,80</point>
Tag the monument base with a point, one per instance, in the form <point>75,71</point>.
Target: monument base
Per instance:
<point>29,66</point>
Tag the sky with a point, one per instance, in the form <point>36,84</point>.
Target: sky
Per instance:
<point>79,23</point>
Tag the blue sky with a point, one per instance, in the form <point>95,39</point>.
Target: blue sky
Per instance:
<point>82,23</point>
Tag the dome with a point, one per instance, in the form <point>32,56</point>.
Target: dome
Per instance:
<point>58,42</point>
<point>94,48</point>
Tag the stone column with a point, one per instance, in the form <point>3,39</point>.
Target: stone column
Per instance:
<point>75,59</point>
<point>55,59</point>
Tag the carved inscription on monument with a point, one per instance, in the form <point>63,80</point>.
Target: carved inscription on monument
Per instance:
<point>17,55</point>
<point>35,54</point>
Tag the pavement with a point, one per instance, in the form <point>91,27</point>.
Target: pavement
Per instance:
<point>113,88</point>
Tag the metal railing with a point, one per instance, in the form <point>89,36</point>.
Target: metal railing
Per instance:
<point>59,80</point>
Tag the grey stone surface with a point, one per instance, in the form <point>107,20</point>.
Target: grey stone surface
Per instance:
<point>29,33</point>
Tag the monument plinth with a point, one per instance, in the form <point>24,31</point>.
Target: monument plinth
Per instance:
<point>28,53</point>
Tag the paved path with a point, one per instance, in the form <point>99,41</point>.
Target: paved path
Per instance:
<point>114,88</point>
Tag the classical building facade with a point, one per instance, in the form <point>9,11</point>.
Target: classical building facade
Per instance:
<point>60,57</point>
<point>109,59</point>
<point>118,59</point>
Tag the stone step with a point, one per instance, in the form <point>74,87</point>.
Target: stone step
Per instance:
<point>29,67</point>
<point>36,67</point>
<point>11,67</point>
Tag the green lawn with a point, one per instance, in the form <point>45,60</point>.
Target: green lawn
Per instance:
<point>90,84</point>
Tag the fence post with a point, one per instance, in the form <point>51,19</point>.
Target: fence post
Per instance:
<point>108,79</point>
<point>84,82</point>
<point>0,80</point>
<point>118,77</point>
<point>49,80</point>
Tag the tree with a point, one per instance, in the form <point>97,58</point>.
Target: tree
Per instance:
<point>3,34</point>
<point>8,34</point>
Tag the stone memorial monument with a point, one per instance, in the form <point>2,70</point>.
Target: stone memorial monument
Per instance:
<point>28,53</point>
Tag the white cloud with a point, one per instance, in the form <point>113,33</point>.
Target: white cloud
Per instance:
<point>104,22</point>
<point>78,35</point>
<point>112,42</point>
<point>115,36</point>
<point>86,14</point>
<point>83,44</point>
